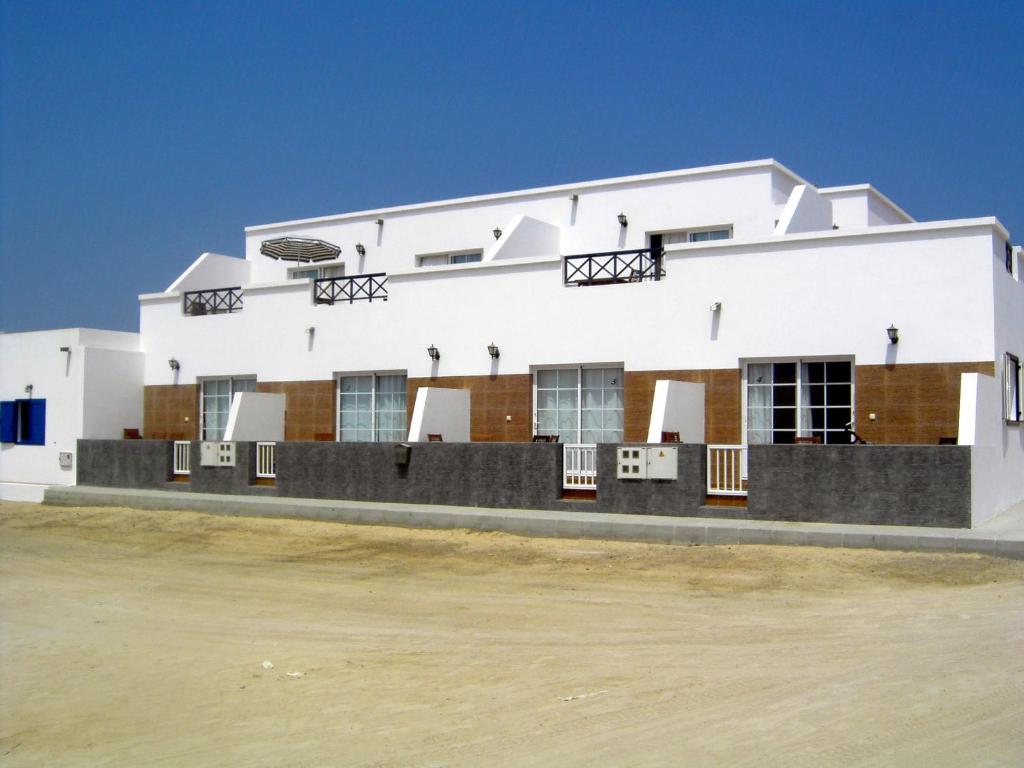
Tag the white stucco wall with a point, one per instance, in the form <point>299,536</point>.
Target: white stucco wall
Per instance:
<point>831,293</point>
<point>678,406</point>
<point>997,458</point>
<point>94,391</point>
<point>214,270</point>
<point>256,416</point>
<point>806,211</point>
<point>738,195</point>
<point>440,411</point>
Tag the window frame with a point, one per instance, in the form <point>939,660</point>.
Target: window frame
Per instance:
<point>449,257</point>
<point>19,419</point>
<point>322,270</point>
<point>579,368</point>
<point>203,381</point>
<point>685,235</point>
<point>374,426</point>
<point>1013,383</point>
<point>745,363</point>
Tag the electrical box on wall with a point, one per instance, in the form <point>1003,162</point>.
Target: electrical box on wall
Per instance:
<point>662,463</point>
<point>631,464</point>
<point>64,459</point>
<point>216,454</point>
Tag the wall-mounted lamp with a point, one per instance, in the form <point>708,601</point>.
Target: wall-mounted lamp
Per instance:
<point>28,390</point>
<point>311,330</point>
<point>434,352</point>
<point>894,334</point>
<point>493,351</point>
<point>380,222</point>
<point>360,249</point>
<point>174,364</point>
<point>574,197</point>
<point>623,221</point>
<point>496,233</point>
<point>65,349</point>
<point>715,306</point>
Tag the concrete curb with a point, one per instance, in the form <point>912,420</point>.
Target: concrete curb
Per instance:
<point>546,523</point>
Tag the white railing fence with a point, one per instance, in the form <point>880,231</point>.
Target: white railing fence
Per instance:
<point>727,470</point>
<point>266,460</point>
<point>579,466</point>
<point>181,457</point>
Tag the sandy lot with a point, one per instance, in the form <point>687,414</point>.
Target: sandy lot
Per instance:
<point>140,638</point>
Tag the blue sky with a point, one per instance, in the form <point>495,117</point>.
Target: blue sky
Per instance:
<point>135,136</point>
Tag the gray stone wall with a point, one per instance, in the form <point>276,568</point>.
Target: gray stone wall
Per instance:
<point>236,479</point>
<point>503,475</point>
<point>872,484</point>
<point>682,497</point>
<point>124,463</point>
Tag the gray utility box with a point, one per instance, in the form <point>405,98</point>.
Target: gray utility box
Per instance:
<point>645,463</point>
<point>213,454</point>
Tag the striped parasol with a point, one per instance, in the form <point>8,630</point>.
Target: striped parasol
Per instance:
<point>299,249</point>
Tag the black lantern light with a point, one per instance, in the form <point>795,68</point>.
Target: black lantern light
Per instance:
<point>894,334</point>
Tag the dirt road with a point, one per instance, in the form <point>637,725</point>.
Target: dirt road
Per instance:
<point>146,638</point>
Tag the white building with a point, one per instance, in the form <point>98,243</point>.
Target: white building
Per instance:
<point>559,308</point>
<point>56,387</point>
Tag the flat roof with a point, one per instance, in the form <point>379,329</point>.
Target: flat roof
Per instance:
<point>560,188</point>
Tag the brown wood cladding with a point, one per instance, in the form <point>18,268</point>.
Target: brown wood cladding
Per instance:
<point>310,407</point>
<point>721,402</point>
<point>913,404</point>
<point>491,399</point>
<point>170,411</point>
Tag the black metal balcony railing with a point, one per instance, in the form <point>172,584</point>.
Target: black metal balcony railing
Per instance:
<point>613,267</point>
<point>217,301</point>
<point>328,290</point>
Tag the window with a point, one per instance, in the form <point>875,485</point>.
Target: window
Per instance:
<point>216,404</point>
<point>371,408</point>
<point>309,272</point>
<point>799,398</point>
<point>679,236</point>
<point>441,259</point>
<point>23,422</point>
<point>1012,388</point>
<point>580,405</point>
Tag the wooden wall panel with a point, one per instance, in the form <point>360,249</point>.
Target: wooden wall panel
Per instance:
<point>721,402</point>
<point>491,399</point>
<point>310,407</point>
<point>170,411</point>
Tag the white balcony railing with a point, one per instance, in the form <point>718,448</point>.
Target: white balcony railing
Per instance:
<point>727,470</point>
<point>579,467</point>
<point>182,449</point>
<point>266,460</point>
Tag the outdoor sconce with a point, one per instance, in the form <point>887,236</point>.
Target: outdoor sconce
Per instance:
<point>434,353</point>
<point>28,390</point>
<point>493,351</point>
<point>174,364</point>
<point>311,330</point>
<point>65,349</point>
<point>623,221</point>
<point>380,222</point>
<point>497,233</point>
<point>360,249</point>
<point>716,306</point>
<point>574,197</point>
<point>894,334</point>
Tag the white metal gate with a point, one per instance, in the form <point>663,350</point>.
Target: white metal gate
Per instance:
<point>727,470</point>
<point>181,457</point>
<point>579,466</point>
<point>266,460</point>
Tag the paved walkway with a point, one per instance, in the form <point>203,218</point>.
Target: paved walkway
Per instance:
<point>1004,535</point>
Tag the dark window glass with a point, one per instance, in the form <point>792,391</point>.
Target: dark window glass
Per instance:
<point>838,371</point>
<point>785,373</point>
<point>784,396</point>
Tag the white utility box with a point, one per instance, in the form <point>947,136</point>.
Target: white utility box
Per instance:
<point>662,463</point>
<point>213,454</point>
<point>64,459</point>
<point>631,464</point>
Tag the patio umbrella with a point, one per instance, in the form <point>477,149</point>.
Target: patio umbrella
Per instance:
<point>299,249</point>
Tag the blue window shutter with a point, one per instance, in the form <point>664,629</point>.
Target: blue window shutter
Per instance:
<point>35,432</point>
<point>8,422</point>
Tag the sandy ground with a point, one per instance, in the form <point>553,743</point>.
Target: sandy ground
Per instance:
<point>140,638</point>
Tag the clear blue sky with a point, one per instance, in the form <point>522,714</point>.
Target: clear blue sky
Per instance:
<point>135,135</point>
